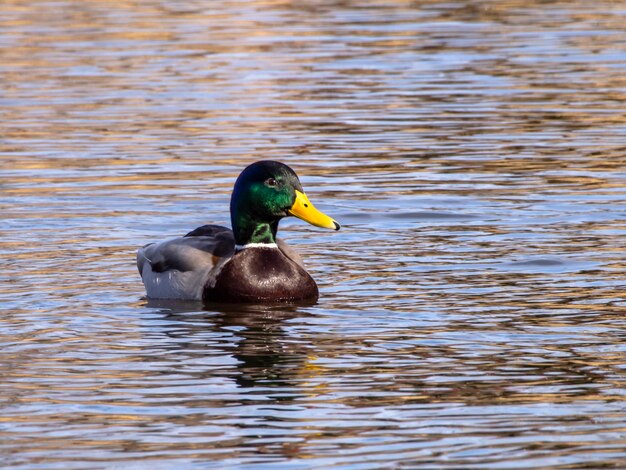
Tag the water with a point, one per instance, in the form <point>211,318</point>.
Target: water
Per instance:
<point>472,307</point>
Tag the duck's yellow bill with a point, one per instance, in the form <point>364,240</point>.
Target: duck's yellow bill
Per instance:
<point>303,209</point>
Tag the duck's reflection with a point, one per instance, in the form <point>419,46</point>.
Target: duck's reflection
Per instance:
<point>267,356</point>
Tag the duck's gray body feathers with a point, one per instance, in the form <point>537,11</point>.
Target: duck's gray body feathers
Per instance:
<point>187,267</point>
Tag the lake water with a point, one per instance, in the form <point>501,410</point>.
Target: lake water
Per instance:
<point>472,309</point>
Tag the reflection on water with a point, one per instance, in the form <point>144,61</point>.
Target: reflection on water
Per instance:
<point>471,311</point>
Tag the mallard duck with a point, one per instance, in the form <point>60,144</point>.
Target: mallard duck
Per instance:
<point>247,264</point>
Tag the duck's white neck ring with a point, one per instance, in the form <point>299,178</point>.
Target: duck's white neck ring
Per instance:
<point>255,245</point>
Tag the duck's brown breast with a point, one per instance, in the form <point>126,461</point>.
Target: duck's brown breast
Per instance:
<point>261,274</point>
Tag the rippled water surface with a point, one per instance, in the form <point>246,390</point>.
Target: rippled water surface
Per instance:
<point>472,310</point>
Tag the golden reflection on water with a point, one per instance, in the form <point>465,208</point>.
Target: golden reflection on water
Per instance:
<point>471,310</point>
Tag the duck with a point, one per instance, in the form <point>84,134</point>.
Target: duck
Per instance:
<point>245,264</point>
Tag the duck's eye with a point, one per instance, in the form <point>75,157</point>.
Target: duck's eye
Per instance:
<point>271,182</point>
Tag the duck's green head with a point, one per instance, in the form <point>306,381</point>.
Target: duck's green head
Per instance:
<point>264,193</point>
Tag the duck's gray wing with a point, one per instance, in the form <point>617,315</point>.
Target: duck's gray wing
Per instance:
<point>196,250</point>
<point>180,268</point>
